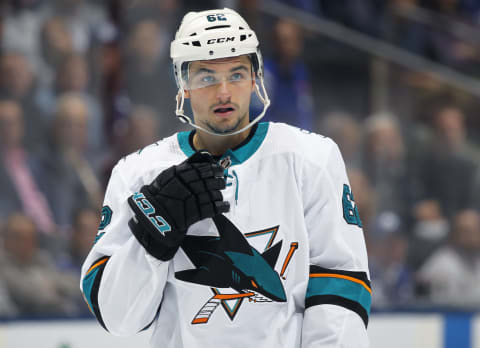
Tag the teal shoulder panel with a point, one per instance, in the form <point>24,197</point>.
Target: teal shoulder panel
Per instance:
<point>237,156</point>
<point>184,144</point>
<point>246,151</point>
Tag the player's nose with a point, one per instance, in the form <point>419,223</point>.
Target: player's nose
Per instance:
<point>223,90</point>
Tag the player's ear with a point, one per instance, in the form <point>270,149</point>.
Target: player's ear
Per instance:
<point>186,93</point>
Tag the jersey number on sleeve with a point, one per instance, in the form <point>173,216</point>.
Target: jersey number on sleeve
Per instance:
<point>350,210</point>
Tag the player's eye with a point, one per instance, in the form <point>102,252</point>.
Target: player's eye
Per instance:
<point>202,80</point>
<point>237,77</point>
<point>208,79</point>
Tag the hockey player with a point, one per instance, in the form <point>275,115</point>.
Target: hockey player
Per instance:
<point>237,233</point>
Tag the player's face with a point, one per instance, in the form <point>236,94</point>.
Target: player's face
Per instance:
<point>220,92</point>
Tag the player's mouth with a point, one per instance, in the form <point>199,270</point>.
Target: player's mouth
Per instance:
<point>224,110</point>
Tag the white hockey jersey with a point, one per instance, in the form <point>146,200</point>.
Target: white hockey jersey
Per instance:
<point>285,267</point>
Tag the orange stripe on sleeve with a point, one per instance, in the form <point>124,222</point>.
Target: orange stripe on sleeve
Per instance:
<point>96,264</point>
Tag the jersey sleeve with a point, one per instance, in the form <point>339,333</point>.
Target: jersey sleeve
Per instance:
<point>338,297</point>
<point>121,283</point>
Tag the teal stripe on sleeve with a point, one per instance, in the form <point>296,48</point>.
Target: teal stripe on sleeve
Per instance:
<point>88,285</point>
<point>345,288</point>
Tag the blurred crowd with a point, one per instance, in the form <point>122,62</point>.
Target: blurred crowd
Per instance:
<point>85,82</point>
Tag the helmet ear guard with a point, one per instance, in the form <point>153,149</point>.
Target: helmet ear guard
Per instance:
<point>183,119</point>
<point>210,35</point>
<point>255,59</point>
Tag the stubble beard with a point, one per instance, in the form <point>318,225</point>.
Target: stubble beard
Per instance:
<point>219,130</point>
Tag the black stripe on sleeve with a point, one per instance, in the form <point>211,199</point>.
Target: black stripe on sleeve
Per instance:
<point>94,292</point>
<point>153,320</point>
<point>339,301</point>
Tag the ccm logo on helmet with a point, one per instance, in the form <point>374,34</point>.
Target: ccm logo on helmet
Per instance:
<point>221,40</point>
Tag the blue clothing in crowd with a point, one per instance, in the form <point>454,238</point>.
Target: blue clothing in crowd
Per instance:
<point>290,94</point>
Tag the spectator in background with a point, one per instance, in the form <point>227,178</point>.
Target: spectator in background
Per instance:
<point>365,199</point>
<point>84,21</point>
<point>19,189</point>
<point>447,168</point>
<point>402,32</point>
<point>386,164</point>
<point>165,12</point>
<point>389,267</point>
<point>33,282</point>
<point>79,243</point>
<point>429,230</point>
<point>56,42</point>
<point>73,76</point>
<point>142,129</point>
<point>139,129</point>
<point>452,274</point>
<point>387,245</point>
<point>455,51</point>
<point>446,172</point>
<point>85,226</point>
<point>22,20</point>
<point>435,41</point>
<point>261,24</point>
<point>108,77</point>
<point>457,9</point>
<point>359,15</point>
<point>306,5</point>
<point>68,173</point>
<point>149,80</point>
<point>194,5</point>
<point>287,79</point>
<point>17,82</point>
<point>346,131</point>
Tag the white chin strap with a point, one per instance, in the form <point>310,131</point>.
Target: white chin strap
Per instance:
<point>185,119</point>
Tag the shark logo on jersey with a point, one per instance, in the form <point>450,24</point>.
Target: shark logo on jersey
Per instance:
<point>229,261</point>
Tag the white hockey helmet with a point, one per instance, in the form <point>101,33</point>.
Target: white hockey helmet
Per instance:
<point>214,34</point>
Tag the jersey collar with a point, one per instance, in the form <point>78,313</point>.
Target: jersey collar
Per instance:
<point>237,155</point>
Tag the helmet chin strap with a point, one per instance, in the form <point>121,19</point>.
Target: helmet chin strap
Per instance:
<point>185,119</point>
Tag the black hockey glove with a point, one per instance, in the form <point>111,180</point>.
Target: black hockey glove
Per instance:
<point>180,196</point>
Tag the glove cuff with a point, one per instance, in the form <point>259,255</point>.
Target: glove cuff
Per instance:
<point>153,246</point>
<point>149,226</point>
